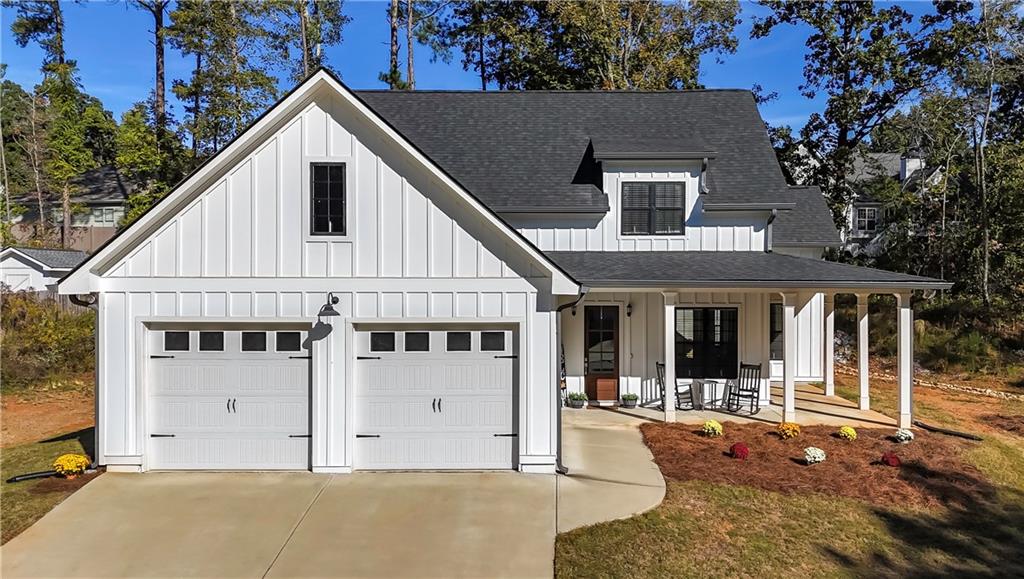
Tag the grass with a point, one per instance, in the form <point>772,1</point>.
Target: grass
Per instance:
<point>24,503</point>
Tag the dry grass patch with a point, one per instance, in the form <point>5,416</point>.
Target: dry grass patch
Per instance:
<point>933,473</point>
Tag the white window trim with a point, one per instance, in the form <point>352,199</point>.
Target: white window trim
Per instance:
<point>689,174</point>
<point>351,198</point>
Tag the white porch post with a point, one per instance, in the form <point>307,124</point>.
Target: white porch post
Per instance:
<point>829,338</point>
<point>669,402</point>
<point>905,361</point>
<point>862,350</point>
<point>789,356</point>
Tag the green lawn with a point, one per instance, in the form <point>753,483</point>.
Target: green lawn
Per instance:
<point>22,504</point>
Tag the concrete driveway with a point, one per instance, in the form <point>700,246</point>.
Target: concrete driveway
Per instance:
<point>294,525</point>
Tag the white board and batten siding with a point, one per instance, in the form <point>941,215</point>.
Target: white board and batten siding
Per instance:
<point>241,251</point>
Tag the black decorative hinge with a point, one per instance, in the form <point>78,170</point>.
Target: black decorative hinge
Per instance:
<point>367,357</point>
<point>300,357</point>
<point>161,436</point>
<point>367,436</point>
<point>512,357</point>
<point>300,436</point>
<point>161,357</point>
<point>511,434</point>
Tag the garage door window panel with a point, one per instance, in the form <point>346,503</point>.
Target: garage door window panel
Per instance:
<point>492,341</point>
<point>254,341</point>
<point>417,341</point>
<point>459,342</point>
<point>211,341</point>
<point>176,342</point>
<point>289,341</point>
<point>382,341</point>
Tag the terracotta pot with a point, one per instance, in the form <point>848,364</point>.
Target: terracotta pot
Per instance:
<point>71,476</point>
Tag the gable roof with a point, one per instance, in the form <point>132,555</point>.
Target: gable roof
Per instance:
<point>60,259</point>
<point>537,151</point>
<point>291,103</point>
<point>631,269</point>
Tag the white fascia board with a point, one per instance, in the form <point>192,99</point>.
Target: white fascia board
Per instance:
<point>84,279</point>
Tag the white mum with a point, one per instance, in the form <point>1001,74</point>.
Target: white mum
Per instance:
<point>814,455</point>
<point>904,435</point>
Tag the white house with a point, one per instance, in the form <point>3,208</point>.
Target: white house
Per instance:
<point>34,269</point>
<point>387,280</point>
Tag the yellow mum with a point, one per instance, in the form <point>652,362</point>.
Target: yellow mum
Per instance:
<point>788,430</point>
<point>70,464</point>
<point>847,433</point>
<point>711,428</point>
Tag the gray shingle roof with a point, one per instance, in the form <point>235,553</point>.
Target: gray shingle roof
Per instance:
<point>53,258</point>
<point>728,269</point>
<point>533,149</point>
<point>808,223</point>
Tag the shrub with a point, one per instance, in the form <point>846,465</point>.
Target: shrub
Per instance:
<point>814,455</point>
<point>739,450</point>
<point>630,396</point>
<point>577,396</point>
<point>711,428</point>
<point>71,464</point>
<point>43,343</point>
<point>890,458</point>
<point>847,433</point>
<point>788,430</point>
<point>904,435</point>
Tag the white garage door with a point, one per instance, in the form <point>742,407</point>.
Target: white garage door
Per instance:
<point>434,399</point>
<point>231,400</point>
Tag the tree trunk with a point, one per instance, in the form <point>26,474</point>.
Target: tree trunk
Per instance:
<point>160,110</point>
<point>58,32</point>
<point>303,30</point>
<point>34,153</point>
<point>410,74</point>
<point>3,166</point>
<point>65,200</point>
<point>980,153</point>
<point>235,67</point>
<point>482,63</point>
<point>196,103</point>
<point>393,65</point>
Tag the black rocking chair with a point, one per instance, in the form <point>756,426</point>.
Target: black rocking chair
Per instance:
<point>684,399</point>
<point>746,388</point>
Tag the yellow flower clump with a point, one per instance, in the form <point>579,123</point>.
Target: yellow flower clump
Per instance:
<point>788,430</point>
<point>711,428</point>
<point>847,433</point>
<point>70,464</point>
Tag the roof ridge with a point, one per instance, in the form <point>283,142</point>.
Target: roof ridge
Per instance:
<point>550,91</point>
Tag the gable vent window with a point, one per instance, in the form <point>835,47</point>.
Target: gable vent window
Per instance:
<point>327,182</point>
<point>653,208</point>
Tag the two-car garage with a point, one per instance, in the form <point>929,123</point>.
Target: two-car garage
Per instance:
<point>239,398</point>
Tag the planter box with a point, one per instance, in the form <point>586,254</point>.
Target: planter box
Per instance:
<point>629,403</point>
<point>576,403</point>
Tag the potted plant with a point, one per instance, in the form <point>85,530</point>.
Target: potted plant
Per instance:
<point>576,399</point>
<point>629,400</point>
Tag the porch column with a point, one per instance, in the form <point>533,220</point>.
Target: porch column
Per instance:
<point>829,338</point>
<point>669,402</point>
<point>862,350</point>
<point>789,356</point>
<point>905,359</point>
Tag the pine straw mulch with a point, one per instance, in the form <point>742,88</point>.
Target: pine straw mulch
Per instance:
<point>55,484</point>
<point>1011,424</point>
<point>932,472</point>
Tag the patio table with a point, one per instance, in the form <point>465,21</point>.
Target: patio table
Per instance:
<point>699,385</point>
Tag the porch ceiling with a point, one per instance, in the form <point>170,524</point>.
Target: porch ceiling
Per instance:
<point>721,269</point>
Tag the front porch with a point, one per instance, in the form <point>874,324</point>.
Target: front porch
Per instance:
<point>812,407</point>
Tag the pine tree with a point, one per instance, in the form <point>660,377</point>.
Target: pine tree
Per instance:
<point>301,31</point>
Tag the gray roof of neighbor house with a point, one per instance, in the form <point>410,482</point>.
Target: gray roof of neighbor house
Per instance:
<point>53,258</point>
<point>535,150</point>
<point>99,187</point>
<point>725,269</point>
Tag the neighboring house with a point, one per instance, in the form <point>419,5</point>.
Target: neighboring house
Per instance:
<point>866,215</point>
<point>388,279</point>
<point>99,200</point>
<point>32,269</point>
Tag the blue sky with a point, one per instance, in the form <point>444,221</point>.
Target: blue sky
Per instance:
<point>112,44</point>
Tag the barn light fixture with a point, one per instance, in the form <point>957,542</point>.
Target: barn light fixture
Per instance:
<point>629,310</point>
<point>327,310</point>
<point>573,310</point>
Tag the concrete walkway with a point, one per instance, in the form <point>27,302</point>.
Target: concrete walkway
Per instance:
<point>612,474</point>
<point>294,525</point>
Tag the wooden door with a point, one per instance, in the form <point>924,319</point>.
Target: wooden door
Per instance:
<point>601,352</point>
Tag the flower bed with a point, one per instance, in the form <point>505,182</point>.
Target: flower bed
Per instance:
<point>931,473</point>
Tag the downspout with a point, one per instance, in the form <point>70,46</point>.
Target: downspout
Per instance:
<point>91,301</point>
<point>768,231</point>
<point>559,467</point>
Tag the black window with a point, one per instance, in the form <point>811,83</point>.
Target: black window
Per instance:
<point>775,332</point>
<point>289,341</point>
<point>327,181</point>
<point>254,341</point>
<point>653,208</point>
<point>176,341</point>
<point>417,341</point>
<point>211,341</point>
<point>492,341</point>
<point>458,342</point>
<point>707,343</point>
<point>382,341</point>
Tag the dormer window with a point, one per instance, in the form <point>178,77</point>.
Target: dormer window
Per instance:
<point>653,208</point>
<point>867,219</point>
<point>327,182</point>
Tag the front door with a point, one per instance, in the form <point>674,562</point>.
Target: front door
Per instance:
<point>601,357</point>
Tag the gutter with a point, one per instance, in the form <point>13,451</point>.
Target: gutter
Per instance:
<point>748,206</point>
<point>559,467</point>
